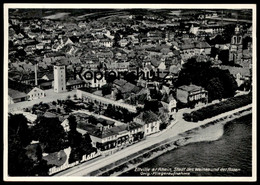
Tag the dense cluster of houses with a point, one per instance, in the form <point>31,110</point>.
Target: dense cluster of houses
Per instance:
<point>151,44</point>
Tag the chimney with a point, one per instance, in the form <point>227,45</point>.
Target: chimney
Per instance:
<point>35,69</point>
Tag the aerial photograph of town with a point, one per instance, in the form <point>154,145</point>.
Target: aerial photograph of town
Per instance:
<point>129,92</point>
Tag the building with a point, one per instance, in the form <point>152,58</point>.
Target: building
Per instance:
<point>95,82</point>
<point>15,96</point>
<point>235,51</point>
<point>191,95</point>
<point>59,78</point>
<point>115,137</point>
<point>89,97</point>
<point>169,103</point>
<point>75,84</point>
<point>36,93</point>
<point>150,122</point>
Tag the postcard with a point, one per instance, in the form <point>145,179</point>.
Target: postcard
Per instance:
<point>130,92</point>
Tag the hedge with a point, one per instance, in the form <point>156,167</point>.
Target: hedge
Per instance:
<point>219,108</point>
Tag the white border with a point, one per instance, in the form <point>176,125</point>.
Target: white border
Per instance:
<point>129,6</point>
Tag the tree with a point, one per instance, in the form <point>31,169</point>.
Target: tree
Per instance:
<point>151,105</point>
<point>110,111</point>
<point>92,120</point>
<point>202,73</point>
<point>245,42</point>
<point>86,144</point>
<point>130,77</point>
<point>106,89</point>
<point>119,95</point>
<point>75,155</point>
<point>91,107</point>
<point>50,133</point>
<point>229,84</point>
<point>74,138</point>
<point>17,127</point>
<point>116,39</point>
<point>19,136</point>
<point>72,122</point>
<point>18,162</point>
<point>215,89</point>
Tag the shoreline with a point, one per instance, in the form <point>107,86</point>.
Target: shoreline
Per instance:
<point>180,127</point>
<point>188,137</point>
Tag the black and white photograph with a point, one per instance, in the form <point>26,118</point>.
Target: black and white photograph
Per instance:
<point>129,92</point>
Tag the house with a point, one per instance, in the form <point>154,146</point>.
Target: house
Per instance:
<point>15,96</point>
<point>128,89</point>
<point>150,121</point>
<point>36,93</point>
<point>106,42</point>
<point>192,95</point>
<point>40,46</point>
<point>32,35</point>
<point>95,82</point>
<point>48,77</point>
<point>162,66</point>
<point>75,84</point>
<point>118,83</point>
<point>118,66</point>
<point>91,97</point>
<point>190,49</point>
<point>123,42</point>
<point>169,104</point>
<point>115,137</point>
<point>241,74</point>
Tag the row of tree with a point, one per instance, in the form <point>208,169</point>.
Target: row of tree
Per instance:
<point>216,109</point>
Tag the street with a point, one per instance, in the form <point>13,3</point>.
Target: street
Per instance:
<point>179,127</point>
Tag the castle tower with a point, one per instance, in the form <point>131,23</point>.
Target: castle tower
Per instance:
<point>59,78</point>
<point>235,51</point>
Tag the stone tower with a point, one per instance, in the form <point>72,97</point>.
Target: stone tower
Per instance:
<point>235,51</point>
<point>59,78</point>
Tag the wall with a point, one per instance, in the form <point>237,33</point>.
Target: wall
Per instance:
<point>82,94</point>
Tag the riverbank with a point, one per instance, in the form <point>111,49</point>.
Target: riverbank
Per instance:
<point>170,135</point>
<point>209,132</point>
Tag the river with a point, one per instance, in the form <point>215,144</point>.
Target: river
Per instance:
<point>228,155</point>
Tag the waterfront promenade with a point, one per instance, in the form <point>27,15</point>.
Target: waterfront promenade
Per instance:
<point>171,132</point>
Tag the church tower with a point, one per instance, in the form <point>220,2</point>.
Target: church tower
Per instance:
<point>59,78</point>
<point>235,51</point>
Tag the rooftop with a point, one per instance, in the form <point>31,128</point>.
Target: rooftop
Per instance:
<point>16,94</point>
<point>148,116</point>
<point>190,88</point>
